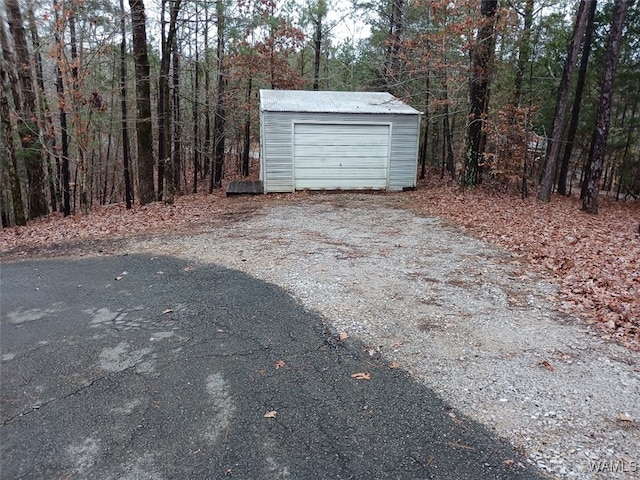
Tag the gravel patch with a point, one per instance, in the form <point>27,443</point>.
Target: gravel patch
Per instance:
<point>461,316</point>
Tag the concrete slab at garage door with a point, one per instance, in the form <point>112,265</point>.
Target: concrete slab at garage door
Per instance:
<point>341,156</point>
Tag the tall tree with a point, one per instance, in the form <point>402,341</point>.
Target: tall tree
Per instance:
<point>28,128</point>
<point>396,31</point>
<point>590,200</point>
<point>220,117</point>
<point>320,13</point>
<point>62,108</point>
<point>164,113</point>
<point>481,58</point>
<point>8,141</point>
<point>577,99</point>
<point>51,157</point>
<point>126,150</point>
<point>143,101</point>
<point>176,159</point>
<point>524,52</point>
<point>555,140</point>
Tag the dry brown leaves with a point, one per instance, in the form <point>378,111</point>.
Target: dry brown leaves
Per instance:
<point>595,259</point>
<point>189,214</point>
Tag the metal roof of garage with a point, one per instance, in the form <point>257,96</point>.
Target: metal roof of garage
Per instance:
<point>332,102</point>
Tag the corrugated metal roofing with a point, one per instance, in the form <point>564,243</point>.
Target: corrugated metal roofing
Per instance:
<point>332,102</point>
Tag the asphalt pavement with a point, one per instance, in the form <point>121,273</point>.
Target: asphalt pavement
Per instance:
<point>140,367</point>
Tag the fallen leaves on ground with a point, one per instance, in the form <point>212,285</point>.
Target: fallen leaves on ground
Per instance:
<point>594,259</point>
<point>546,365</point>
<point>361,376</point>
<point>280,364</point>
<point>271,414</point>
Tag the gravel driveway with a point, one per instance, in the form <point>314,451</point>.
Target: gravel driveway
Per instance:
<point>460,315</point>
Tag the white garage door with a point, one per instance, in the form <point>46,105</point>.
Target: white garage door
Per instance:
<point>340,156</point>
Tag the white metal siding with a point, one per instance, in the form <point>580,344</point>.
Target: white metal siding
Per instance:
<point>277,145</point>
<point>277,153</point>
<point>340,156</point>
<point>403,164</point>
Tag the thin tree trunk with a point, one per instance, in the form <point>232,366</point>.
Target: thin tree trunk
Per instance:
<point>80,131</point>
<point>590,201</point>
<point>126,150</point>
<point>524,53</point>
<point>555,140</point>
<point>143,100</point>
<point>425,131</point>
<point>164,114</point>
<point>481,59</point>
<point>64,132</point>
<point>196,129</point>
<point>208,166</point>
<point>577,99</point>
<point>28,128</point>
<point>66,191</point>
<point>396,30</point>
<point>47,129</point>
<point>220,113</point>
<point>8,140</point>
<point>247,133</point>
<point>317,43</point>
<point>196,124</point>
<point>176,161</point>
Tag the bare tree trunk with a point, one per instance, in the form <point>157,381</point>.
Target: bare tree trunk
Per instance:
<point>64,132</point>
<point>555,140</point>
<point>590,200</point>
<point>8,140</point>
<point>48,138</point>
<point>208,166</point>
<point>176,160</point>
<point>396,30</point>
<point>220,113</point>
<point>79,130</point>
<point>524,53</point>
<point>164,114</point>
<point>143,100</point>
<point>577,100</point>
<point>425,131</point>
<point>27,128</point>
<point>321,8</point>
<point>195,112</point>
<point>126,151</point>
<point>247,133</point>
<point>481,59</point>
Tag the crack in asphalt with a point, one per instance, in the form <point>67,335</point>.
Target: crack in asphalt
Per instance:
<point>89,384</point>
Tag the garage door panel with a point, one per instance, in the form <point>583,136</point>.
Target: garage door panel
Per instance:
<point>354,184</point>
<point>370,173</point>
<point>319,163</point>
<point>342,150</point>
<point>346,156</point>
<point>311,140</point>
<point>339,128</point>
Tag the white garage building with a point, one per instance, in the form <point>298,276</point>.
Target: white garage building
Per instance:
<point>336,140</point>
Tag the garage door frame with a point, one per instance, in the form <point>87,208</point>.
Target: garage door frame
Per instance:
<point>345,123</point>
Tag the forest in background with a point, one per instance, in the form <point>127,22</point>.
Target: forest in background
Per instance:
<point>105,102</point>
